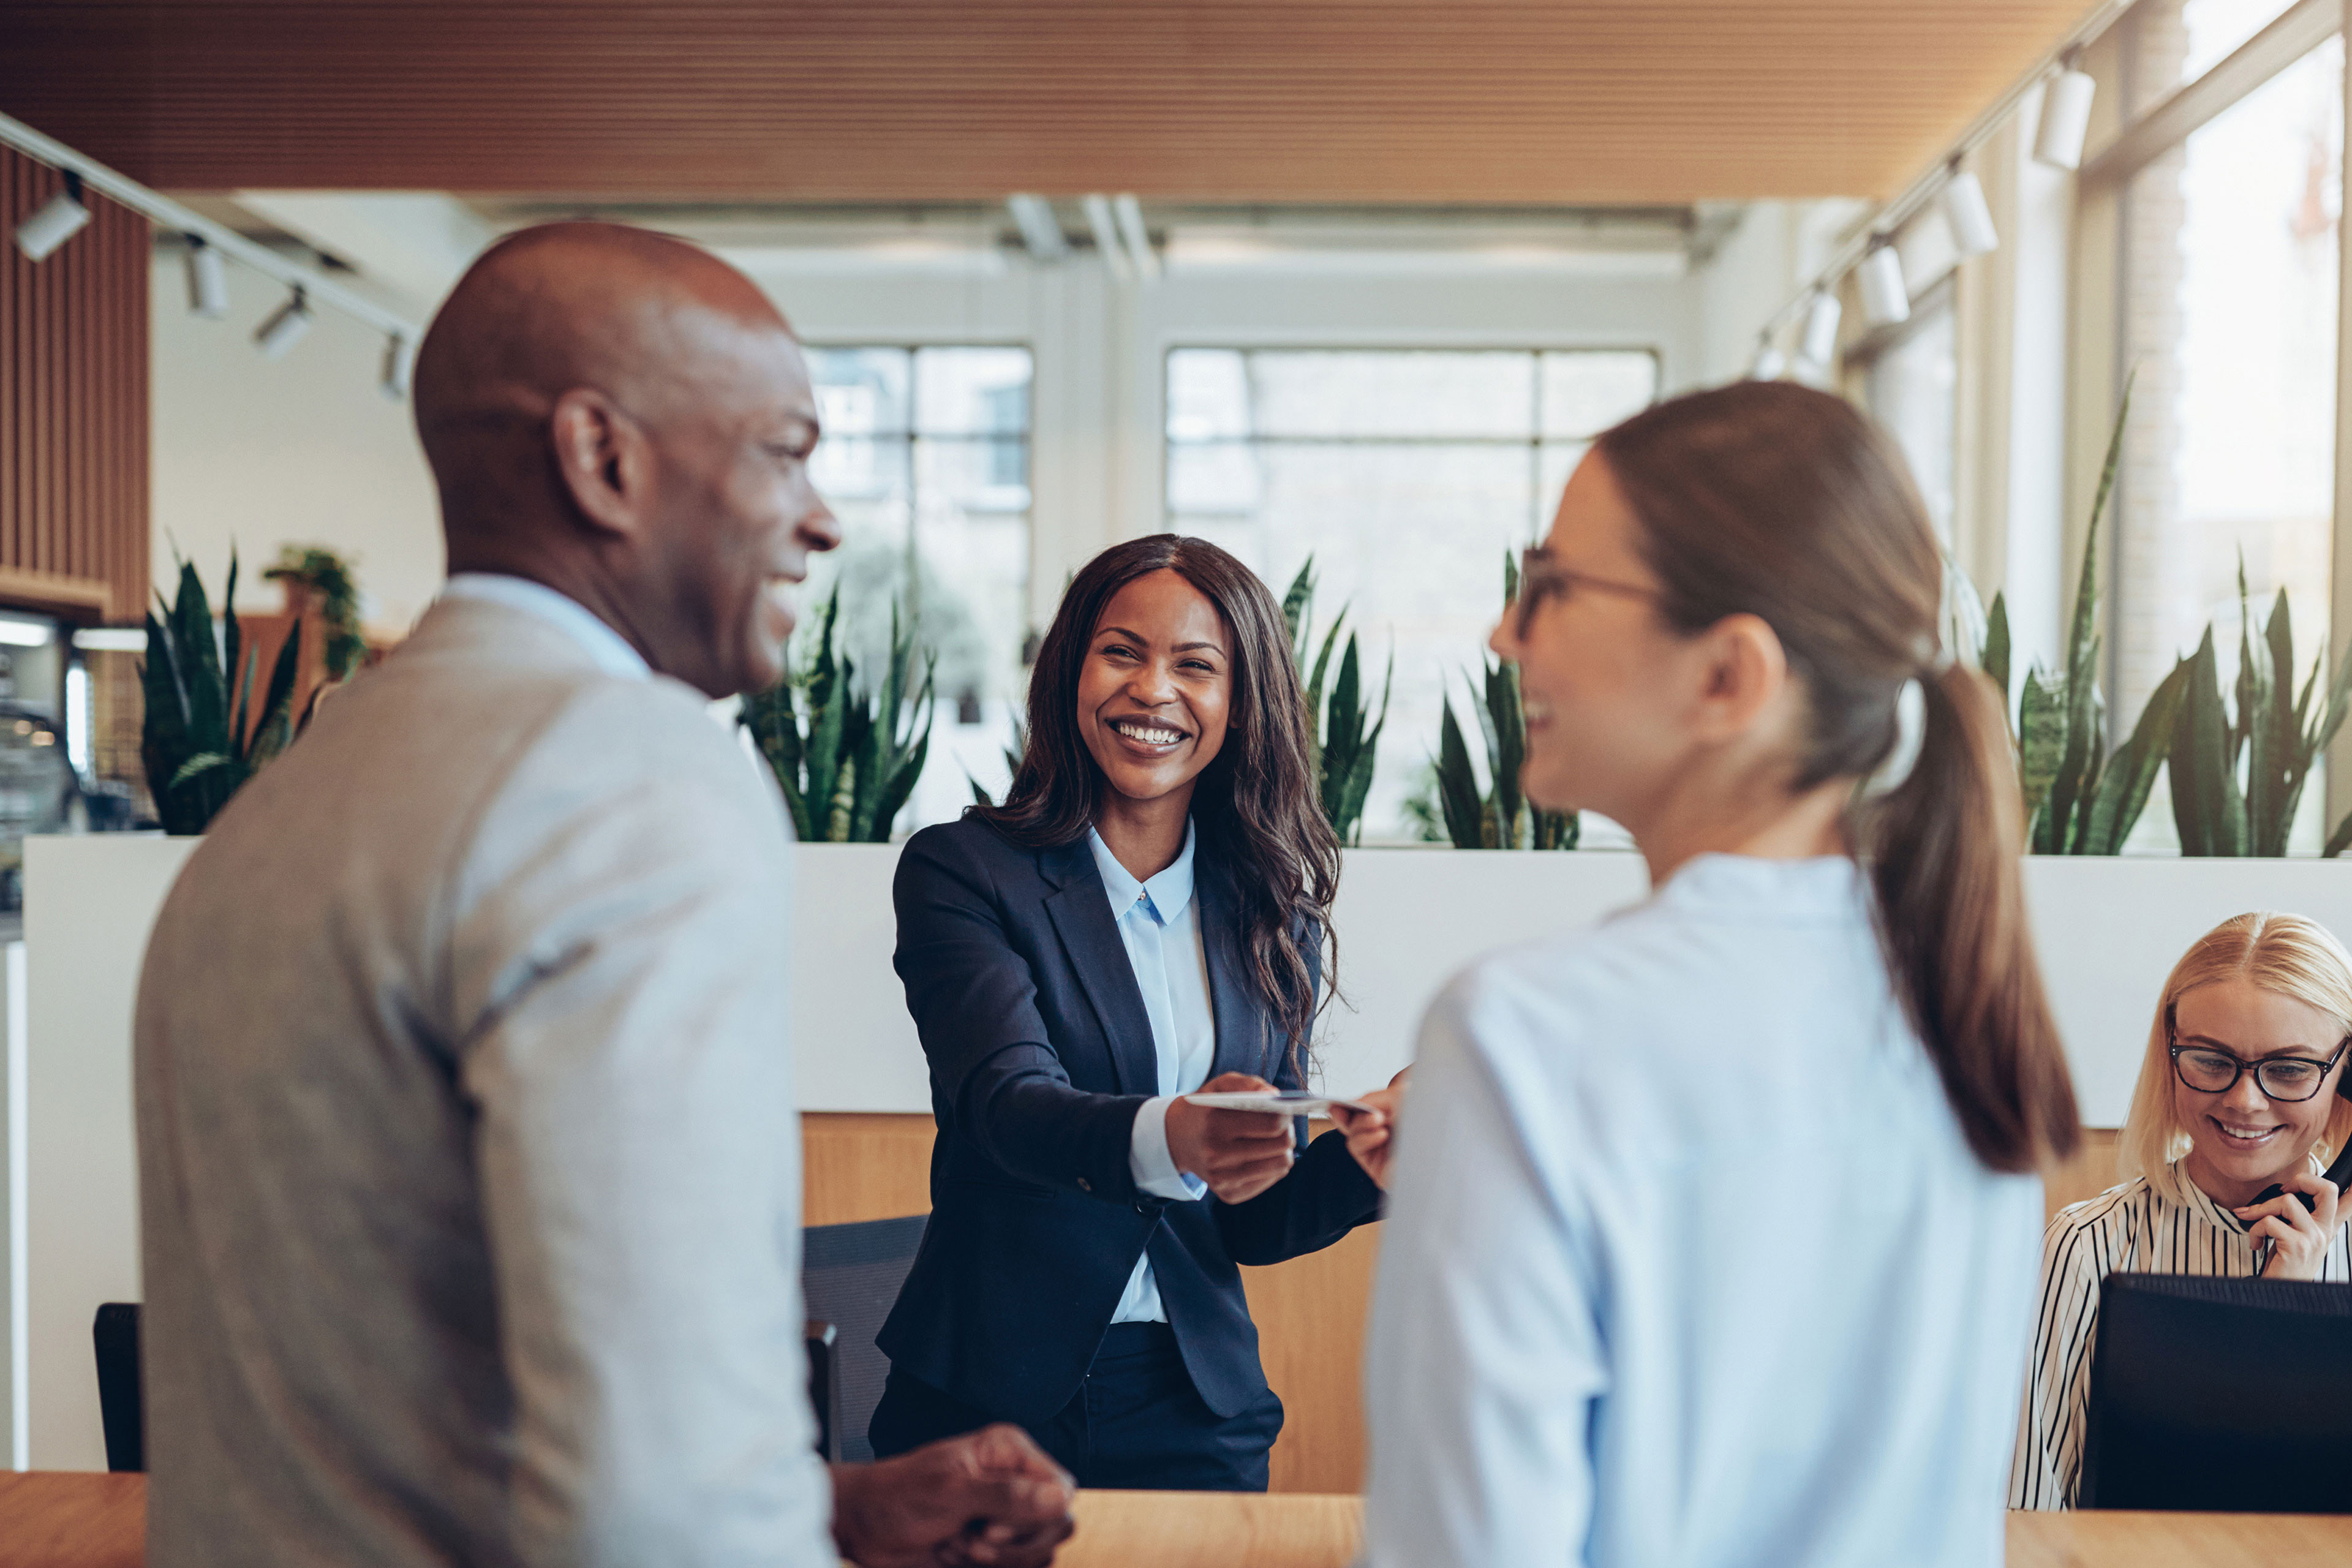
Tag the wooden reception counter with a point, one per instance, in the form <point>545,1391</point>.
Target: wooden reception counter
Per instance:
<point>75,1519</point>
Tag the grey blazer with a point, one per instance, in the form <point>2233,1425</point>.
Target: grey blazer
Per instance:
<point>469,1165</point>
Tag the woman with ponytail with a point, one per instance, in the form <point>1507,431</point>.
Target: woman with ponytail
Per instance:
<point>1713,1235</point>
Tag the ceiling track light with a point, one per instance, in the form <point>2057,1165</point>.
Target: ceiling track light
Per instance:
<point>1771,363</point>
<point>284,327</point>
<point>1129,213</point>
<point>1041,231</point>
<point>207,280</point>
<point>1817,344</point>
<point>1967,214</point>
<point>1885,300</point>
<point>2065,116</point>
<point>399,366</point>
<point>1105,231</point>
<point>54,222</point>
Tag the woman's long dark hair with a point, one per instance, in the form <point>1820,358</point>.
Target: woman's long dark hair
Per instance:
<point>1772,500</point>
<point>1255,807</point>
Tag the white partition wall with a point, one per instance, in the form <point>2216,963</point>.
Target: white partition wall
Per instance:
<point>84,935</point>
<point>2107,930</point>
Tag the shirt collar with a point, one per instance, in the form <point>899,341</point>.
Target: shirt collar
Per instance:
<point>611,651</point>
<point>1168,891</point>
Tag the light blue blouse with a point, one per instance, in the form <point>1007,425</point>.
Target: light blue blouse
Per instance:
<point>1160,924</point>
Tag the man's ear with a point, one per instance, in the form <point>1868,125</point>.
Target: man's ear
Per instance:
<point>605,459</point>
<point>1746,670</point>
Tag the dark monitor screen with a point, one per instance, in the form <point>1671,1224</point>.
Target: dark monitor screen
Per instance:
<point>2221,1395</point>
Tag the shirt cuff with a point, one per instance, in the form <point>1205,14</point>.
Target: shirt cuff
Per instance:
<point>1148,1161</point>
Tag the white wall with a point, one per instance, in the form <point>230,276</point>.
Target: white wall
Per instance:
<point>305,449</point>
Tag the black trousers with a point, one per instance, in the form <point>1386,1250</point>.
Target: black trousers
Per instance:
<point>1136,1422</point>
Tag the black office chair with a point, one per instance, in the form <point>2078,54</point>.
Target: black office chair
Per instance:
<point>850,1275</point>
<point>121,1400</point>
<point>2220,1396</point>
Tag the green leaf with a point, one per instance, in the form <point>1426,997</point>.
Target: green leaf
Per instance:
<point>1297,601</point>
<point>2124,788</point>
<point>2339,840</point>
<point>1457,785</point>
<point>275,729</point>
<point>2040,748</point>
<point>2207,806</point>
<point>1507,734</point>
<point>196,766</point>
<point>1994,660</point>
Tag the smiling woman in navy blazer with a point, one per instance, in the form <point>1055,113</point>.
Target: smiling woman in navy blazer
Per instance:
<point>1145,914</point>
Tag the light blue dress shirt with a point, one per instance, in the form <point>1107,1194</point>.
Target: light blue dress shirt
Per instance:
<point>1160,924</point>
<point>1688,1259</point>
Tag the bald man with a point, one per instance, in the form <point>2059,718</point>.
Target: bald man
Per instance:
<point>468,1156</point>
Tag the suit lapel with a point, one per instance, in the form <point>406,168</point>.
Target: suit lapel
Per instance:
<point>1243,1041</point>
<point>1080,910</point>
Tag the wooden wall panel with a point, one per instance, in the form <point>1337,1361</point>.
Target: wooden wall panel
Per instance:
<point>1503,101</point>
<point>1311,1311</point>
<point>73,408</point>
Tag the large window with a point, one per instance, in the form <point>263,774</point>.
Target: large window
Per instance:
<point>2228,333</point>
<point>925,460</point>
<point>1911,381</point>
<point>1408,476</point>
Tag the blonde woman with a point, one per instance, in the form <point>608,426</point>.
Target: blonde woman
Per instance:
<point>2238,1093</point>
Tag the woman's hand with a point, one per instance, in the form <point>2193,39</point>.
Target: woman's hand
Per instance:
<point>2299,1236</point>
<point>1239,1153</point>
<point>1371,1133</point>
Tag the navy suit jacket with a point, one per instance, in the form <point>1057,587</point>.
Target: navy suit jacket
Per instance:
<point>1040,1056</point>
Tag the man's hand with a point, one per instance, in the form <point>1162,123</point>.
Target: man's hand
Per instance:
<point>1239,1153</point>
<point>991,1498</point>
<point>1371,1133</point>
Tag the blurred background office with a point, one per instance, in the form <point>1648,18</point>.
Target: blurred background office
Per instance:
<point>1352,284</point>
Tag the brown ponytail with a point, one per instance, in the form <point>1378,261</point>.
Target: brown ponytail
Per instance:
<point>1772,500</point>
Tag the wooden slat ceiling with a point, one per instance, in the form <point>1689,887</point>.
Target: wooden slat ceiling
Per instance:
<point>1259,100</point>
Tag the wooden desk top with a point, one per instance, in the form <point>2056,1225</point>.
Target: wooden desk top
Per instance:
<point>70,1520</point>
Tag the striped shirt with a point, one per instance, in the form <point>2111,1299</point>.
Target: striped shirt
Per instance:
<point>2129,1229</point>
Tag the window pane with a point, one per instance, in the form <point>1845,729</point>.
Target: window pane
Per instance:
<point>860,392</point>
<point>936,525</point>
<point>2230,318</point>
<point>1585,392</point>
<point>1208,394</point>
<point>2173,42</point>
<point>972,473</point>
<point>1411,393</point>
<point>1411,540</point>
<point>971,390</point>
<point>1913,390</point>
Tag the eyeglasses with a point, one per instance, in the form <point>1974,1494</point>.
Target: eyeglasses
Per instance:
<point>1541,578</point>
<point>2289,1079</point>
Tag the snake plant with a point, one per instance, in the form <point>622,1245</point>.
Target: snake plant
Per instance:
<point>847,758</point>
<point>2081,797</point>
<point>1343,736</point>
<point>2272,740</point>
<point>201,739</point>
<point>1502,817</point>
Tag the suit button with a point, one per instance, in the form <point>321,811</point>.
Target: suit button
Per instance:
<point>1085,1186</point>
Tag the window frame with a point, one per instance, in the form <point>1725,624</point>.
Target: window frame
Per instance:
<point>1535,442</point>
<point>2121,146</point>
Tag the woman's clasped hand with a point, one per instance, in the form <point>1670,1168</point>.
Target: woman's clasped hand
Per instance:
<point>2300,1237</point>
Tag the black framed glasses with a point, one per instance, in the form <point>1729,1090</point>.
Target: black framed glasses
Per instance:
<point>1542,578</point>
<point>2289,1079</point>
